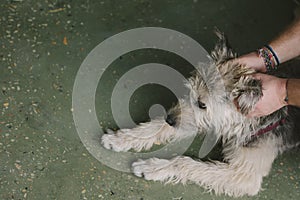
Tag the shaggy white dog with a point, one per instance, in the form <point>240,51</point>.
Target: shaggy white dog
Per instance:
<point>250,145</point>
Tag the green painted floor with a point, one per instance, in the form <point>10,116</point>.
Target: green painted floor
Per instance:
<point>43,44</point>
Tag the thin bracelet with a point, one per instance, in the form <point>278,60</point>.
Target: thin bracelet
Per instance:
<point>286,99</point>
<point>273,53</point>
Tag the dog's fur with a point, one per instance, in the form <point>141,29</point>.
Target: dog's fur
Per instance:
<point>247,158</point>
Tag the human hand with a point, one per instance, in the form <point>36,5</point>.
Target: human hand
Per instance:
<point>274,93</point>
<point>252,60</point>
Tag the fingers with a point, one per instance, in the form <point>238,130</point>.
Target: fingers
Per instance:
<point>254,113</point>
<point>258,76</point>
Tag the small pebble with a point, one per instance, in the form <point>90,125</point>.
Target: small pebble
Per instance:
<point>18,166</point>
<point>6,105</point>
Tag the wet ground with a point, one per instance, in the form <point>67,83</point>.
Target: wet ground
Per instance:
<point>43,44</point>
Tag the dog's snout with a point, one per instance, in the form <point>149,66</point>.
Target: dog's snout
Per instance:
<point>171,120</point>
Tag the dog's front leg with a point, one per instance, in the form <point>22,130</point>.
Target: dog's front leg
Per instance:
<point>215,176</point>
<point>142,137</point>
<point>241,175</point>
<point>158,131</point>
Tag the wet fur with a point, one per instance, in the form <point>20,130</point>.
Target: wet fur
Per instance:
<point>247,159</point>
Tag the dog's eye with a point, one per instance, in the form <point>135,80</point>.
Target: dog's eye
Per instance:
<point>201,104</point>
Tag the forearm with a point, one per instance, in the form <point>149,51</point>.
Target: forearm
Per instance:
<point>293,92</point>
<point>287,44</point>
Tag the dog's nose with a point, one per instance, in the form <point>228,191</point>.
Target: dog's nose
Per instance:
<point>171,120</point>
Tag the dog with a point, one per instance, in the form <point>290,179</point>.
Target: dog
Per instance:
<point>249,145</point>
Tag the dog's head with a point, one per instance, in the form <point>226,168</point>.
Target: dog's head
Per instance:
<point>215,86</point>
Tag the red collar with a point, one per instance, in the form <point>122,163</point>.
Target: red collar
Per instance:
<point>269,127</point>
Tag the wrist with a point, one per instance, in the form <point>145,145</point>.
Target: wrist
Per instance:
<point>269,58</point>
<point>293,92</point>
<point>283,91</point>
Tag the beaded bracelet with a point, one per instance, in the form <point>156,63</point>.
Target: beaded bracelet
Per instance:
<point>269,56</point>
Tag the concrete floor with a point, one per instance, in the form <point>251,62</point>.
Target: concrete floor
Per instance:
<point>43,44</point>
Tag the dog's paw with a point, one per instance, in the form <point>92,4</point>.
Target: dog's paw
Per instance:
<point>113,142</point>
<point>152,169</point>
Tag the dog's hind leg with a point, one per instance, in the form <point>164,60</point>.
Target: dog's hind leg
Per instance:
<point>241,175</point>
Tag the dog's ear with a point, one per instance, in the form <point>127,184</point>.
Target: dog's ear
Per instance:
<point>222,52</point>
<point>246,93</point>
